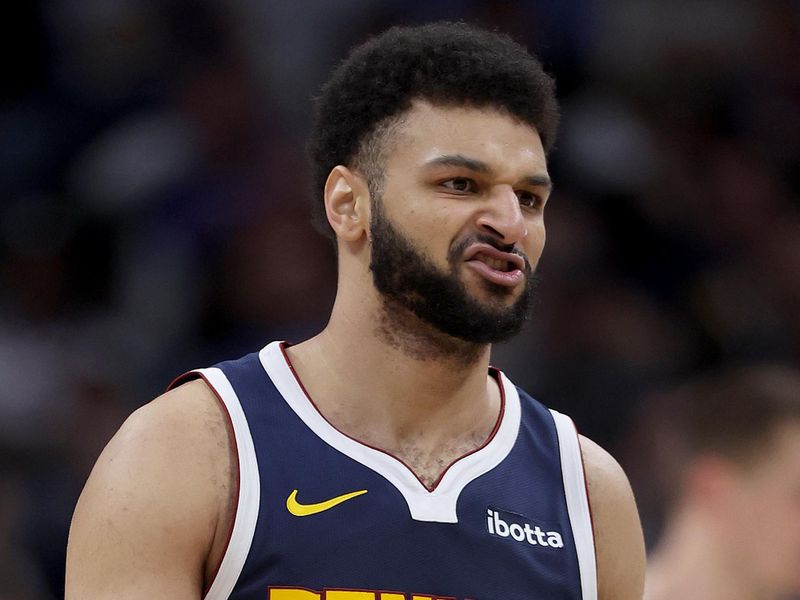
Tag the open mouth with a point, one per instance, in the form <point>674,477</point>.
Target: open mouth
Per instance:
<point>495,263</point>
<point>501,268</point>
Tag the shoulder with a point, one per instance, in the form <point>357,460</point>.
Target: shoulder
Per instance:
<point>157,494</point>
<point>619,543</point>
<point>192,405</point>
<point>181,436</point>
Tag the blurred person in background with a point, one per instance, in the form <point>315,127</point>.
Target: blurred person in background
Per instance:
<point>731,450</point>
<point>416,467</point>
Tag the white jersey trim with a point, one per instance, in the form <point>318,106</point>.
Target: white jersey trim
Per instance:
<point>438,505</point>
<point>577,503</point>
<point>244,524</point>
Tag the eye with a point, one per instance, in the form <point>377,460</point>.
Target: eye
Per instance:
<point>460,184</point>
<point>529,199</point>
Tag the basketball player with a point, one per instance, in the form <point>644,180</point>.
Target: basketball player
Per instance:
<point>383,459</point>
<point>734,530</point>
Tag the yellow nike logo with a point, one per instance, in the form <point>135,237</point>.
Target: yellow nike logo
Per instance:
<point>303,510</point>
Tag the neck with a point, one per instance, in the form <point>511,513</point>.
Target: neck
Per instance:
<point>420,342</point>
<point>383,381</point>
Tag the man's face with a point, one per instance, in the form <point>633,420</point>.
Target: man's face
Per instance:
<point>409,280</point>
<point>458,229</point>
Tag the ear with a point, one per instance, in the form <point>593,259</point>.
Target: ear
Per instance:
<point>347,204</point>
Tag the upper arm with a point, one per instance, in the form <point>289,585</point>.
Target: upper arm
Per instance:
<point>148,516</point>
<point>619,543</point>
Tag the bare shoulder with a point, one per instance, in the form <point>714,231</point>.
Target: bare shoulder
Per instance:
<point>617,530</point>
<point>148,520</point>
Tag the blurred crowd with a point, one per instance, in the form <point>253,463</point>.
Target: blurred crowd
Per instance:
<point>154,214</point>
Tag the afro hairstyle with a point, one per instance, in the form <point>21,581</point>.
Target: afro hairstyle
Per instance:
<point>446,64</point>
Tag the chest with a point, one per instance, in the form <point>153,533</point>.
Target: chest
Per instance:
<point>430,464</point>
<point>323,516</point>
<point>335,514</point>
<point>350,529</point>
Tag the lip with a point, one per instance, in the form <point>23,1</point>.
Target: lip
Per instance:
<point>504,278</point>
<point>515,259</point>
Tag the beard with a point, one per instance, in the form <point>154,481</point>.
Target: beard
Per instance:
<point>406,279</point>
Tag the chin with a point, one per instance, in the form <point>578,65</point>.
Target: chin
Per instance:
<point>494,294</point>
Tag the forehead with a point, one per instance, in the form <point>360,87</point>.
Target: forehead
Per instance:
<point>487,134</point>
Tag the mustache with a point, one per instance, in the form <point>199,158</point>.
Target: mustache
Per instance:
<point>458,247</point>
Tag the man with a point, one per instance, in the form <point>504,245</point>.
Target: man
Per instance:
<point>734,529</point>
<point>383,458</point>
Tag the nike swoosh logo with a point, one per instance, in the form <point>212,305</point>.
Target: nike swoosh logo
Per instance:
<point>304,510</point>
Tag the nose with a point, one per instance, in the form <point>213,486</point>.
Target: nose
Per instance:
<point>502,216</point>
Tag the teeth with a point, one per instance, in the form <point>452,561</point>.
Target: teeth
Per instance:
<point>495,263</point>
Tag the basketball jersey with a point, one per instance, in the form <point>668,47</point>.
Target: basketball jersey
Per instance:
<point>322,516</point>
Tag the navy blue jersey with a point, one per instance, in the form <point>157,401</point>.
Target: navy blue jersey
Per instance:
<point>322,516</point>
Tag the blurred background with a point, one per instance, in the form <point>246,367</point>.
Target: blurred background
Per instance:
<point>154,214</point>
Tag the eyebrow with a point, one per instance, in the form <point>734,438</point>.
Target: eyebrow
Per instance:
<point>459,160</point>
<point>539,181</point>
<point>473,164</point>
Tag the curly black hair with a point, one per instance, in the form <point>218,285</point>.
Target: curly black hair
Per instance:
<point>448,64</point>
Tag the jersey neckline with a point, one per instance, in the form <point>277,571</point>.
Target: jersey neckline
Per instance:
<point>436,504</point>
